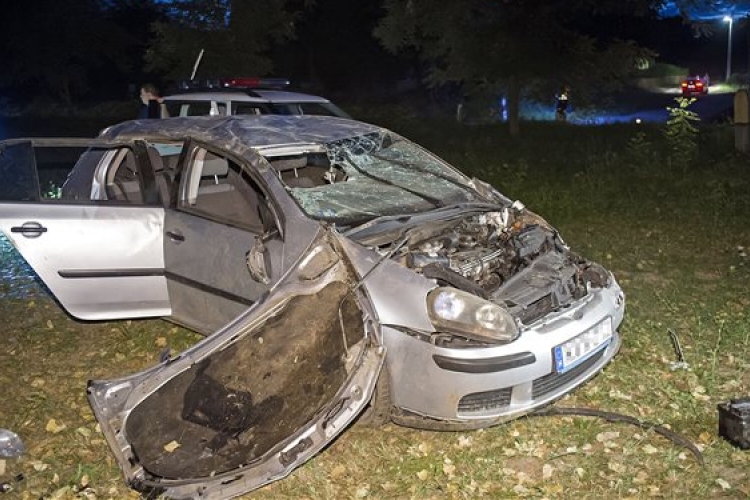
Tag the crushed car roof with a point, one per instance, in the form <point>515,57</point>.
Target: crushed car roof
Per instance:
<point>247,130</point>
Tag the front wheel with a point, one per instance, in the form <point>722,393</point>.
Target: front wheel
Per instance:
<point>378,411</point>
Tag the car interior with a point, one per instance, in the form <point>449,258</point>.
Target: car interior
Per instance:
<point>219,188</point>
<point>307,170</point>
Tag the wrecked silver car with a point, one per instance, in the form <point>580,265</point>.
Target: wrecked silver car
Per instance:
<point>338,271</point>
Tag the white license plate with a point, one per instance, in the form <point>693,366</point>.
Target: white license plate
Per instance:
<point>583,346</point>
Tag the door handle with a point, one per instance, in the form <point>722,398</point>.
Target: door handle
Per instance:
<point>29,229</point>
<point>176,236</point>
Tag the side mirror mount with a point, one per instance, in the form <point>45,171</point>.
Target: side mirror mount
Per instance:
<point>256,260</point>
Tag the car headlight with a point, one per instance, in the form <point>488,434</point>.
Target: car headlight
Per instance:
<point>452,310</point>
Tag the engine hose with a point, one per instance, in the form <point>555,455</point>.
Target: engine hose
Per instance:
<point>438,272</point>
<point>609,416</point>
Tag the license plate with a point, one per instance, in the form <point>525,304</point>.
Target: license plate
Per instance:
<point>583,346</point>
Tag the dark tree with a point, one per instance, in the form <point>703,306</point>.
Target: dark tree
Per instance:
<point>518,44</point>
<point>334,47</point>
<point>50,46</point>
<point>236,37</point>
<point>134,21</point>
<point>71,51</point>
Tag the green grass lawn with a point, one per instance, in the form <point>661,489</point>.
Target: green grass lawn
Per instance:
<point>675,235</point>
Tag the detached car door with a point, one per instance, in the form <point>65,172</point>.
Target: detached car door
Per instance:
<point>255,399</point>
<point>87,217</point>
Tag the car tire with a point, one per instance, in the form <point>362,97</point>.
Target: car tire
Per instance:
<point>378,410</point>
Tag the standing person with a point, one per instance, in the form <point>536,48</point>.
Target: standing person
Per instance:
<point>561,109</point>
<point>153,104</point>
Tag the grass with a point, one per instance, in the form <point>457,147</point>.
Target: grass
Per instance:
<point>676,238</point>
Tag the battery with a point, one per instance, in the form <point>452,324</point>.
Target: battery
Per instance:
<point>734,422</point>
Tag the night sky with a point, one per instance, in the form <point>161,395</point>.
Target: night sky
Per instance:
<point>332,51</point>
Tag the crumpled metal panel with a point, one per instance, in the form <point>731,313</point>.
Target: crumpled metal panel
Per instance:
<point>240,133</point>
<point>385,173</point>
<point>257,398</point>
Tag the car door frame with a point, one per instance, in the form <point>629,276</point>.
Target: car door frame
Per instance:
<point>69,243</point>
<point>201,300</point>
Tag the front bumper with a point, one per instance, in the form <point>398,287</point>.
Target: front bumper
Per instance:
<point>475,387</point>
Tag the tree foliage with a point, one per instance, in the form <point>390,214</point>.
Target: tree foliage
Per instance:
<point>48,48</point>
<point>334,47</point>
<point>134,20</point>
<point>71,50</point>
<point>519,44</point>
<point>236,37</point>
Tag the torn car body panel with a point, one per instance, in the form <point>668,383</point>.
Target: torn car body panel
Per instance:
<point>485,312</point>
<point>509,257</point>
<point>256,399</point>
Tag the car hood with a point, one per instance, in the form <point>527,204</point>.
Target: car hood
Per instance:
<point>503,253</point>
<point>256,399</point>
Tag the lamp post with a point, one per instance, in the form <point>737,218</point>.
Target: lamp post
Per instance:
<point>728,19</point>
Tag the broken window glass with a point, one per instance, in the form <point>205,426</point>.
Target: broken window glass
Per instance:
<point>372,175</point>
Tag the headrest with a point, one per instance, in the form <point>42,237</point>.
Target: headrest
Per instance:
<point>289,163</point>
<point>215,167</point>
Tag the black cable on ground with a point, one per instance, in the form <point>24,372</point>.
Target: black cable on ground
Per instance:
<point>552,411</point>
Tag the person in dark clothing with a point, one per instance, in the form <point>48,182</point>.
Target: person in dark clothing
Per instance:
<point>561,109</point>
<point>152,103</point>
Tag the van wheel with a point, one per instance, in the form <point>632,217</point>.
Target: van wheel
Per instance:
<point>378,411</point>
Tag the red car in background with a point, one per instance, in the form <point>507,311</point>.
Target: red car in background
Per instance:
<point>694,87</point>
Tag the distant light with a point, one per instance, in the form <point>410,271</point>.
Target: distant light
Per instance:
<point>638,120</point>
<point>728,19</point>
<point>233,83</point>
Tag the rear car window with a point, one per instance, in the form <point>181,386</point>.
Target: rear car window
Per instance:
<point>191,108</point>
<point>247,108</point>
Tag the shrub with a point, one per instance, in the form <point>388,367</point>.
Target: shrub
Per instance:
<point>681,134</point>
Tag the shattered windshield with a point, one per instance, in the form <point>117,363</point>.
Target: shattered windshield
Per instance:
<point>372,175</point>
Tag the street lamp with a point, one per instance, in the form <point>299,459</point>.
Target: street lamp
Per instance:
<point>728,19</point>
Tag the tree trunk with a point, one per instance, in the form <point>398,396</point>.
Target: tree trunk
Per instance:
<point>514,105</point>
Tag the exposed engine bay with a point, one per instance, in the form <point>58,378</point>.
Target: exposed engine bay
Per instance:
<point>511,257</point>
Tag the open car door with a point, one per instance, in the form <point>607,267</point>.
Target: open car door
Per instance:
<point>256,399</point>
<point>87,217</point>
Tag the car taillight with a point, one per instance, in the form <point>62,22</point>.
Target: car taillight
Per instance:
<point>684,84</point>
<point>699,84</point>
